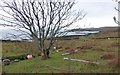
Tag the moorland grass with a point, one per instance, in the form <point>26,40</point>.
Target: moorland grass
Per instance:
<point>56,64</point>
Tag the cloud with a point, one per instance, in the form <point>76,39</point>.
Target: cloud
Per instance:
<point>97,9</point>
<point>99,12</point>
<point>96,22</point>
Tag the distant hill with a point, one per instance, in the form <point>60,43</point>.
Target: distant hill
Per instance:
<point>96,29</point>
<point>104,31</point>
<point>112,32</point>
<point>109,28</point>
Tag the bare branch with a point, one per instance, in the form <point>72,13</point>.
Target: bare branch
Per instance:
<point>42,19</point>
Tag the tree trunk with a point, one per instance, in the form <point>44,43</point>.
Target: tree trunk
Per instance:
<point>47,53</point>
<point>36,43</point>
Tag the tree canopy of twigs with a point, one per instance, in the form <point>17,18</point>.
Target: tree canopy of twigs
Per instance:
<point>117,9</point>
<point>44,19</point>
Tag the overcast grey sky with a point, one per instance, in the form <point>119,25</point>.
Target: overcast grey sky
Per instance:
<point>99,13</point>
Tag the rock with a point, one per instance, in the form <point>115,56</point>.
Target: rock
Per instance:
<point>16,60</point>
<point>57,50</point>
<point>76,51</point>
<point>108,38</point>
<point>54,47</point>
<point>6,61</point>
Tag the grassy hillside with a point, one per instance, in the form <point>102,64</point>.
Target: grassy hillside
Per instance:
<point>104,51</point>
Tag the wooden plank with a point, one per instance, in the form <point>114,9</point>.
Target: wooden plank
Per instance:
<point>65,53</point>
<point>85,61</point>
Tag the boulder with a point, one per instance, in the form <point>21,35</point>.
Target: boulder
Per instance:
<point>16,60</point>
<point>6,61</point>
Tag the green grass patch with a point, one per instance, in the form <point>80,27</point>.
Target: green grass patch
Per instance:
<point>56,64</point>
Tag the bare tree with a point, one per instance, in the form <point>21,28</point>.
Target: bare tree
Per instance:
<point>44,20</point>
<point>117,9</point>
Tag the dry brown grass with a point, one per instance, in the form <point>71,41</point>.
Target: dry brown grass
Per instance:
<point>84,47</point>
<point>89,48</point>
<point>115,45</point>
<point>66,48</point>
<point>107,56</point>
<point>97,49</point>
<point>70,49</point>
<point>109,33</point>
<point>115,62</point>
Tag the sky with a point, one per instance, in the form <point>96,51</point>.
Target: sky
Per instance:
<point>99,14</point>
